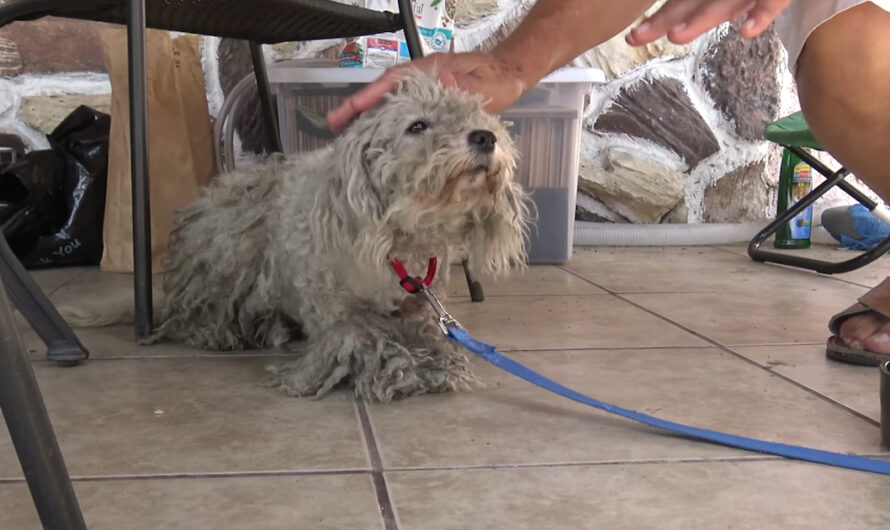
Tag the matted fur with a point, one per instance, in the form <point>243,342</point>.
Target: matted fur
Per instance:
<point>298,246</point>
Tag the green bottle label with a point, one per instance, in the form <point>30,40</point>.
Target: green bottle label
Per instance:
<point>795,182</point>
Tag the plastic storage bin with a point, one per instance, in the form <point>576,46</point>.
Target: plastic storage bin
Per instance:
<point>546,127</point>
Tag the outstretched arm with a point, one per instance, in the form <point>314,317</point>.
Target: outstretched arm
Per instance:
<point>556,31</point>
<point>552,34</point>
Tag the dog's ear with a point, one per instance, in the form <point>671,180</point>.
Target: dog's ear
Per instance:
<point>360,183</point>
<point>498,243</point>
<point>361,194</point>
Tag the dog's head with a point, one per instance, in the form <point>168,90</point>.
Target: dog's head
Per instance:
<point>428,167</point>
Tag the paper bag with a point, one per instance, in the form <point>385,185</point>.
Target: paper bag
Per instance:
<point>180,141</point>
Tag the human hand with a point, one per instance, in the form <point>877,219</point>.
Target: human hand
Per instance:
<point>493,77</point>
<point>684,20</point>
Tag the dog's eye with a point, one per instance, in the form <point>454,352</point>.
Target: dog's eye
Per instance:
<point>417,127</point>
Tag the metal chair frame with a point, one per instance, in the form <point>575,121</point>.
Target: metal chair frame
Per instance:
<point>833,178</point>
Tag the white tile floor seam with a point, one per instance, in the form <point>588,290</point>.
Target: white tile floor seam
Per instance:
<point>378,476</point>
<point>828,254</point>
<point>730,350</point>
<point>734,350</point>
<point>201,476</point>
<point>47,278</point>
<point>702,336</point>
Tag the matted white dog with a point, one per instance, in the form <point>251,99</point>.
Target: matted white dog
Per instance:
<point>300,247</point>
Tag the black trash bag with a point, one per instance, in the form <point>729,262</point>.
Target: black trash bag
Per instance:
<point>52,202</point>
<point>31,201</point>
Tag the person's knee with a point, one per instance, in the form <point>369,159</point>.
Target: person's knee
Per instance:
<point>844,66</point>
<point>843,79</point>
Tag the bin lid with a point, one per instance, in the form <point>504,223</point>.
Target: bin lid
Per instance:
<point>570,74</point>
<point>327,71</point>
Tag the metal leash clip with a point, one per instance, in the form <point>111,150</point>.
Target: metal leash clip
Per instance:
<point>445,319</point>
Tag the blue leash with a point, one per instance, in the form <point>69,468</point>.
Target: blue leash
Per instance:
<point>490,354</point>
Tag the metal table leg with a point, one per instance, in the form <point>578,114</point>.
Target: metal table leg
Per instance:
<point>412,39</point>
<point>265,95</point>
<point>31,431</point>
<point>139,168</point>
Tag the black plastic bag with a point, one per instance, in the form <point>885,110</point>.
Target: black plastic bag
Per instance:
<point>31,199</point>
<point>52,202</point>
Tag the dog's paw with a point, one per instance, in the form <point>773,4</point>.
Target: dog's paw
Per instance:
<point>421,371</point>
<point>296,380</point>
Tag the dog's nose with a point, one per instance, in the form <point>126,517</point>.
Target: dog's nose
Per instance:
<point>482,140</point>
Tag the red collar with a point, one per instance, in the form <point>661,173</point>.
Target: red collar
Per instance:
<point>414,285</point>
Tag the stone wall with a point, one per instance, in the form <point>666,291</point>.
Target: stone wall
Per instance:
<point>47,68</point>
<point>672,136</point>
<point>690,111</point>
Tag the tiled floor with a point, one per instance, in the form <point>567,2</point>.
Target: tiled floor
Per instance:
<point>164,437</point>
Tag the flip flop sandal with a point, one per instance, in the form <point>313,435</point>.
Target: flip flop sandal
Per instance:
<point>878,301</point>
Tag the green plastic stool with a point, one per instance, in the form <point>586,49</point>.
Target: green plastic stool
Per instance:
<point>794,134</point>
<point>792,130</point>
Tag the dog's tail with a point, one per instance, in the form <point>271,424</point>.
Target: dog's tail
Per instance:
<point>111,309</point>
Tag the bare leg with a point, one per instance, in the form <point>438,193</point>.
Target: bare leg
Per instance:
<point>844,85</point>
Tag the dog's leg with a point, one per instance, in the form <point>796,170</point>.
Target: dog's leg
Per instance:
<point>327,359</point>
<point>383,359</point>
<point>438,364</point>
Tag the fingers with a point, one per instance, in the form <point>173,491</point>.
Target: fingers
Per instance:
<point>473,73</point>
<point>363,100</point>
<point>371,95</point>
<point>470,84</point>
<point>671,14</point>
<point>707,16</point>
<point>498,94</point>
<point>448,79</point>
<point>685,20</point>
<point>762,15</point>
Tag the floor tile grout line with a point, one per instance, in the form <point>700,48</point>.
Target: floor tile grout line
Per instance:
<point>149,357</point>
<point>725,249</point>
<point>608,463</point>
<point>205,475</point>
<point>464,298</point>
<point>826,276</point>
<point>286,355</point>
<point>384,501</point>
<point>622,292</point>
<point>765,344</point>
<point>419,469</point>
<point>598,349</point>
<point>742,357</point>
<point>65,283</point>
<point>166,357</point>
<point>603,463</point>
<point>567,268</point>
